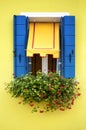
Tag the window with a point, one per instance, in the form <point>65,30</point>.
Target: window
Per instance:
<point>43,39</point>
<point>67,50</point>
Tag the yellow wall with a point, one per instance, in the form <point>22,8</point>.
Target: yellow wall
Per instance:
<point>18,117</point>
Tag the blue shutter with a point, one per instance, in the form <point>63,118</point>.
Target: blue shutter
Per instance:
<point>20,43</point>
<point>68,46</point>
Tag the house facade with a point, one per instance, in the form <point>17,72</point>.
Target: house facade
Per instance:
<point>17,116</point>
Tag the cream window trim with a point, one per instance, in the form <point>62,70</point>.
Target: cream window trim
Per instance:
<point>44,16</point>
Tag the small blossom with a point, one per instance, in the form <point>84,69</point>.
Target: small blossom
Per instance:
<point>49,88</point>
<point>61,87</point>
<point>43,95</point>
<point>56,102</point>
<point>41,111</point>
<point>62,109</point>
<point>58,93</point>
<point>75,95</point>
<point>72,102</point>
<point>78,94</point>
<point>69,107</point>
<point>76,82</point>
<point>78,88</point>
<point>31,104</point>
<point>49,85</point>
<point>50,75</point>
<point>19,102</point>
<point>48,105</point>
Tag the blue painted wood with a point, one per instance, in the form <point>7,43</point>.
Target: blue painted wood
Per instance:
<point>20,43</point>
<point>20,19</point>
<point>20,30</point>
<point>20,71</point>
<point>69,20</point>
<point>20,50</point>
<point>69,72</point>
<point>68,46</point>
<point>69,50</point>
<point>20,61</point>
<point>69,30</point>
<point>69,40</point>
<point>69,61</point>
<point>20,40</point>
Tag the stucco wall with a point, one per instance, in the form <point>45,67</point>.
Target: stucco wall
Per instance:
<point>18,117</point>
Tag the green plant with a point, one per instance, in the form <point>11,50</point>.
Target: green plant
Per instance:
<point>53,90</point>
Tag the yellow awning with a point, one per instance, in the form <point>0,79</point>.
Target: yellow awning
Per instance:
<point>43,39</point>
